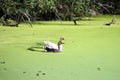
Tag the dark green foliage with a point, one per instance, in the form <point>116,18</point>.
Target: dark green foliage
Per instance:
<point>22,10</point>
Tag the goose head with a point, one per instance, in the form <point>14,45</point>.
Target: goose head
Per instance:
<point>62,38</point>
<point>60,46</point>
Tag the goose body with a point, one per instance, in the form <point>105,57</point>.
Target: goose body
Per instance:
<point>52,47</point>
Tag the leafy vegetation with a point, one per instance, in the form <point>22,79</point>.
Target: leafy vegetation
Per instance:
<point>21,10</point>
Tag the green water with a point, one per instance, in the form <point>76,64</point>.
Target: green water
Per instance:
<point>91,51</point>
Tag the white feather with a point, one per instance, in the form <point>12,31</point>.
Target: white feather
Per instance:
<point>50,45</point>
<point>60,48</point>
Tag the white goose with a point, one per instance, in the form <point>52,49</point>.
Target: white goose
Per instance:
<point>52,47</point>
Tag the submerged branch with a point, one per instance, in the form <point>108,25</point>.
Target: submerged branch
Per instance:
<point>28,18</point>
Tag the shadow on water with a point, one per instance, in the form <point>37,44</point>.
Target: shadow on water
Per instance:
<point>38,48</point>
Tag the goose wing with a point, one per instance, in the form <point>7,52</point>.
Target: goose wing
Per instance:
<point>50,45</point>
